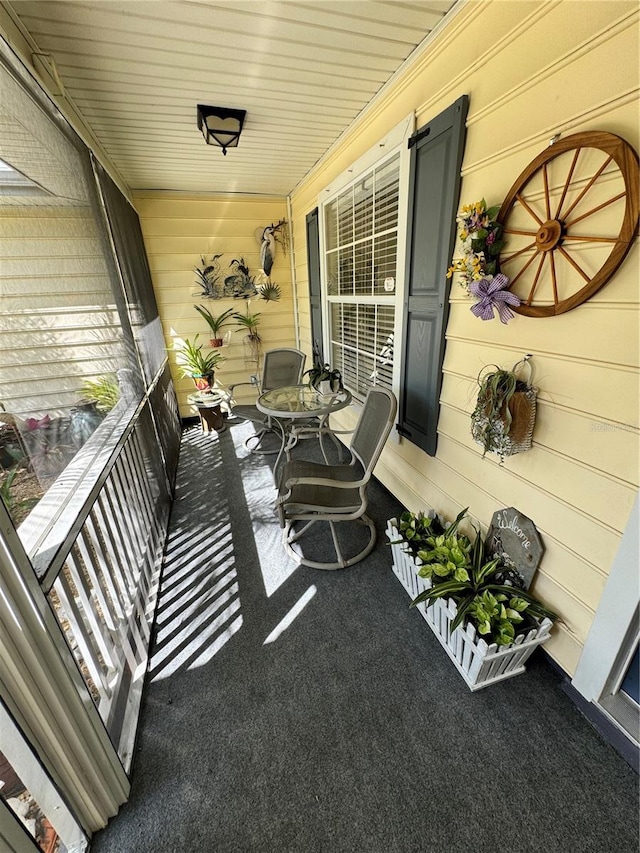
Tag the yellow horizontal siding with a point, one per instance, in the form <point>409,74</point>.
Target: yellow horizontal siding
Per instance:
<point>168,260</point>
<point>243,243</point>
<point>530,70</point>
<point>201,229</point>
<point>614,329</point>
<point>177,231</point>
<point>606,392</point>
<point>599,444</point>
<point>600,496</point>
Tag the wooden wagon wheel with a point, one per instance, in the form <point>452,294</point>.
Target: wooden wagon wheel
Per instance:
<point>569,221</point>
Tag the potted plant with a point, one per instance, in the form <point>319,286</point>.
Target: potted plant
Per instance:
<point>324,378</point>
<point>208,277</point>
<point>101,393</point>
<point>215,323</point>
<point>444,552</point>
<point>474,603</point>
<point>415,529</point>
<point>498,609</point>
<point>413,539</point>
<point>503,419</point>
<point>194,363</point>
<point>249,323</point>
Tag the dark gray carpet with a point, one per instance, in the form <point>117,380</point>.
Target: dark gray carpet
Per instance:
<point>348,730</point>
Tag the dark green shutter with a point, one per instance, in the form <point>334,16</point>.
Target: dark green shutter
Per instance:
<point>315,296</point>
<point>434,186</point>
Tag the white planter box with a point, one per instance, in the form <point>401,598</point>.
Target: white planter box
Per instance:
<point>479,663</point>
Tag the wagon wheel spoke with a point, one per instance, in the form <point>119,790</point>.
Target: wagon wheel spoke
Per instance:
<point>518,231</point>
<point>567,183</point>
<point>554,280</point>
<point>529,298</point>
<point>524,268</point>
<point>595,209</point>
<point>584,239</point>
<point>547,200</point>
<point>519,252</point>
<point>528,209</point>
<point>574,264</point>
<point>589,185</point>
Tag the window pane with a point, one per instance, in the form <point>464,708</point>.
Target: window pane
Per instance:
<point>363,208</point>
<point>345,277</point>
<point>383,347</point>
<point>366,326</point>
<point>386,198</point>
<point>362,345</point>
<point>363,268</point>
<point>331,225</point>
<point>345,218</point>
<point>332,273</point>
<point>362,330</point>
<point>384,263</point>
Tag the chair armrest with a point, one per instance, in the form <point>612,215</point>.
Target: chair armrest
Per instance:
<point>238,384</point>
<point>323,431</point>
<point>322,481</point>
<point>230,393</point>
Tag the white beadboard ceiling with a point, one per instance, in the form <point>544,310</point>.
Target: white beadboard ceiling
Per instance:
<point>303,69</point>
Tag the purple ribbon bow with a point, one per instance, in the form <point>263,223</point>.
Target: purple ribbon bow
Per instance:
<point>493,294</point>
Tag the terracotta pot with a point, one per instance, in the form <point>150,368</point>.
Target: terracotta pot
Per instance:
<point>214,343</point>
<point>203,382</point>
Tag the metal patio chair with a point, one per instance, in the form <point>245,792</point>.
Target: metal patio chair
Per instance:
<point>310,492</point>
<point>281,367</point>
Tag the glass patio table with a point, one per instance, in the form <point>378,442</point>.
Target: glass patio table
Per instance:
<point>299,403</point>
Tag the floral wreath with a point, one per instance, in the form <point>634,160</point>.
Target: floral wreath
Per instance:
<point>481,237</point>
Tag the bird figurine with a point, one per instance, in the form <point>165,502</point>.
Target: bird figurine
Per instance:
<point>268,237</point>
<point>267,249</point>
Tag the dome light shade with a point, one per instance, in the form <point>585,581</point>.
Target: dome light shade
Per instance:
<point>220,125</point>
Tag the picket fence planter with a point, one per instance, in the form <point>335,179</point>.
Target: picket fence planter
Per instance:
<point>479,663</point>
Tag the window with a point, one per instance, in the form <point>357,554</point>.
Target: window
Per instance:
<point>361,225</point>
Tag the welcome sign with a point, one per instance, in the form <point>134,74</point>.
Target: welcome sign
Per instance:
<point>514,538</point>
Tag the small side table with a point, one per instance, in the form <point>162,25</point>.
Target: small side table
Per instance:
<point>208,405</point>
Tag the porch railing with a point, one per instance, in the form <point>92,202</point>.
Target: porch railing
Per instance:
<point>103,580</point>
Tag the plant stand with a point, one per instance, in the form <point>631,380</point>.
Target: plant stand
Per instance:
<point>208,405</point>
<point>479,663</point>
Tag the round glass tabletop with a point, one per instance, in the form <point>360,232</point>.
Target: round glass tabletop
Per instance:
<point>302,401</point>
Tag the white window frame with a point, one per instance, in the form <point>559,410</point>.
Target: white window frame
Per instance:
<point>394,143</point>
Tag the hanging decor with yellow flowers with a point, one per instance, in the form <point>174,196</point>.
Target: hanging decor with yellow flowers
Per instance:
<point>481,238</point>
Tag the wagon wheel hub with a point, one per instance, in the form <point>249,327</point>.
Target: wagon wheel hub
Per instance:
<point>549,235</point>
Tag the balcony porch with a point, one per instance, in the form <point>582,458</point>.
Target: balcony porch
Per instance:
<point>289,709</point>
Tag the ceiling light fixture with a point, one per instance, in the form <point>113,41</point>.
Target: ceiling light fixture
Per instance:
<point>220,125</point>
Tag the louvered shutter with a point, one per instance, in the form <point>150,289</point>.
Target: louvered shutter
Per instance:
<point>315,298</point>
<point>434,187</point>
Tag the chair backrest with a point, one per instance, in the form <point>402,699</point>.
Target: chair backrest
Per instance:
<point>373,427</point>
<point>282,367</point>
